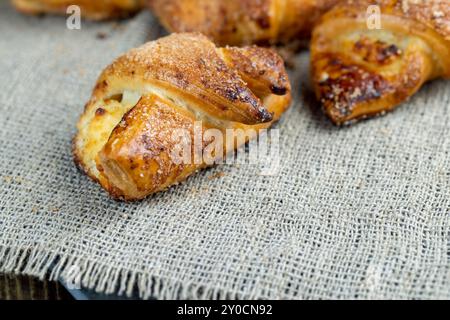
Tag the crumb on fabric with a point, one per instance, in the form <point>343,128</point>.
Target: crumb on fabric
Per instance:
<point>101,35</point>
<point>216,175</point>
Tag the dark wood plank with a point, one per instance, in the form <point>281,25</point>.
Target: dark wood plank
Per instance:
<point>13,287</point>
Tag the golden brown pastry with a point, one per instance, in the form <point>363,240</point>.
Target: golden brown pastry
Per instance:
<point>125,139</point>
<point>91,9</point>
<point>242,22</point>
<point>360,70</point>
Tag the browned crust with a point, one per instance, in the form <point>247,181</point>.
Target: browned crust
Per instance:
<point>94,10</point>
<point>434,14</point>
<point>357,78</point>
<point>352,91</point>
<point>261,69</point>
<point>242,22</point>
<point>135,162</point>
<point>141,147</point>
<point>191,66</point>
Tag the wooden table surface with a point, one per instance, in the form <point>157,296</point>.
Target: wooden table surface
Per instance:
<point>14,287</point>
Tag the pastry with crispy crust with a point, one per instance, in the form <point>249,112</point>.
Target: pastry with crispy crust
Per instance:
<point>242,22</point>
<point>125,137</point>
<point>361,69</point>
<point>91,9</point>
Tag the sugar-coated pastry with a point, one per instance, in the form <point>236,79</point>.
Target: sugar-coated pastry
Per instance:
<point>91,9</point>
<point>125,137</point>
<point>367,60</point>
<point>242,22</point>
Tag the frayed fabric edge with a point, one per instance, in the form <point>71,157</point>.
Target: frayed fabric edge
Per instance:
<point>42,263</point>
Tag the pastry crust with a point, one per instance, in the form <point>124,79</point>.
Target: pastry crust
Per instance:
<point>91,9</point>
<point>360,72</point>
<point>125,138</point>
<point>242,22</point>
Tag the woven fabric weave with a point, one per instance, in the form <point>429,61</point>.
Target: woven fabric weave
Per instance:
<point>358,212</point>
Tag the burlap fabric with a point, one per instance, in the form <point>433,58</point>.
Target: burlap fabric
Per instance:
<point>358,212</point>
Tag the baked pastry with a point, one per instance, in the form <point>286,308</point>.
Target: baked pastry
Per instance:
<point>361,70</point>
<point>177,83</point>
<point>242,22</point>
<point>91,9</point>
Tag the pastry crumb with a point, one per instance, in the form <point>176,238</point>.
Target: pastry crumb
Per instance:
<point>216,175</point>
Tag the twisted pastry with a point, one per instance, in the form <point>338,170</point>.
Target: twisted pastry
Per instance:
<point>359,72</point>
<point>242,22</point>
<point>125,137</point>
<point>95,10</point>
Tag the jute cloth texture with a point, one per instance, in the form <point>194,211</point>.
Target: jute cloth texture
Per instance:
<point>358,212</point>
